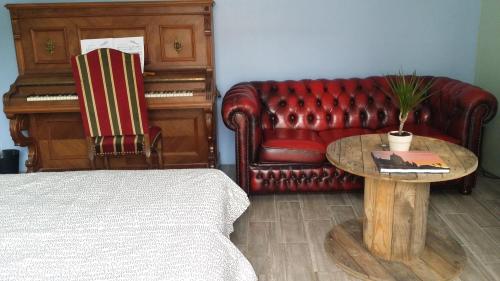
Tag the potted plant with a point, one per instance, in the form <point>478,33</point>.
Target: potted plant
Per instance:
<point>410,91</point>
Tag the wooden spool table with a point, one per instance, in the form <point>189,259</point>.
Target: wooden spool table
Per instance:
<point>393,242</point>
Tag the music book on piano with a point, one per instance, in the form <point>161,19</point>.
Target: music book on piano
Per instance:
<point>131,45</point>
<point>409,162</point>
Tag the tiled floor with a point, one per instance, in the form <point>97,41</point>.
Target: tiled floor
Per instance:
<point>283,235</point>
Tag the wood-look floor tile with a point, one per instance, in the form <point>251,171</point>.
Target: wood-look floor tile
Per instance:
<point>440,227</point>
<point>356,199</point>
<point>314,207</point>
<point>317,231</point>
<point>240,233</point>
<point>332,276</point>
<point>477,211</point>
<point>450,213</point>
<point>494,233</point>
<point>444,203</point>
<point>474,270</point>
<point>264,252</point>
<point>287,197</point>
<point>342,213</point>
<point>291,223</point>
<point>298,264</point>
<point>474,237</point>
<point>243,248</point>
<point>493,206</point>
<point>337,199</point>
<point>262,208</point>
<point>486,189</point>
<point>494,270</point>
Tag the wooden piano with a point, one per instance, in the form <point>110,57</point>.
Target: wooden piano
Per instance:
<point>179,79</point>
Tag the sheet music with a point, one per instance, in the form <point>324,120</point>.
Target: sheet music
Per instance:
<point>126,44</point>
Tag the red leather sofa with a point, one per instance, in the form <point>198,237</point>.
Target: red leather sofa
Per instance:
<point>283,128</point>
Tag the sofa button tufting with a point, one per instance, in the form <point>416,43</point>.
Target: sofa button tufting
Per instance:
<point>282,103</point>
<point>318,102</point>
<point>346,116</point>
<point>301,103</point>
<point>335,102</point>
<point>328,117</point>
<point>291,118</point>
<point>310,118</point>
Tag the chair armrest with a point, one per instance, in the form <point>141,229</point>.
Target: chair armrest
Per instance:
<point>241,112</point>
<point>462,110</point>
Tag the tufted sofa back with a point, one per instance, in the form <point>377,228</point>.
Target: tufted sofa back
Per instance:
<point>330,104</point>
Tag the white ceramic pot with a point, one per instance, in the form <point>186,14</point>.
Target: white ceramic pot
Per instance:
<point>399,143</point>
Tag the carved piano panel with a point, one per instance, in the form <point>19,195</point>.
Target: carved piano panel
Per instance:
<point>179,75</point>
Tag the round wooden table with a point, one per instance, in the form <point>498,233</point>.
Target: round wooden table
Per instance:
<point>393,241</point>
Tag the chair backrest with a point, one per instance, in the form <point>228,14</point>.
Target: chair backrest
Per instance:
<point>110,90</point>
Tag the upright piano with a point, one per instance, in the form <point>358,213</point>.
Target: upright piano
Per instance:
<point>42,104</point>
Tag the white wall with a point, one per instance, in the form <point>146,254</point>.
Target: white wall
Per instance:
<point>295,39</point>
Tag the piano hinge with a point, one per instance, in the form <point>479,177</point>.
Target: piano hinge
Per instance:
<point>208,25</point>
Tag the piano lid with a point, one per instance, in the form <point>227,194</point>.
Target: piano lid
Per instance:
<point>66,79</point>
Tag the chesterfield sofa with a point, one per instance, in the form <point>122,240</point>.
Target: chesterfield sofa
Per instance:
<point>282,129</point>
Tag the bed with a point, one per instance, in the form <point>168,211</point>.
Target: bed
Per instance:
<point>121,225</point>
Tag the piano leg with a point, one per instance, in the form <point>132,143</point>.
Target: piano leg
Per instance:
<point>17,124</point>
<point>211,142</point>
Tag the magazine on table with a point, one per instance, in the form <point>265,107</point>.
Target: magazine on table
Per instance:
<point>409,162</point>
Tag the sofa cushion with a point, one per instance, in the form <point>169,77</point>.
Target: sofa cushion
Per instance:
<point>422,130</point>
<point>292,146</point>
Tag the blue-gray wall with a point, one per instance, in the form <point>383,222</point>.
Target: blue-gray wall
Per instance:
<point>295,39</point>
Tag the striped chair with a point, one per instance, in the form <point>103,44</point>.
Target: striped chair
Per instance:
<point>110,89</point>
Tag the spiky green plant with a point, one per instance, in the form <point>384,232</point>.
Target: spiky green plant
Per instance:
<point>410,91</point>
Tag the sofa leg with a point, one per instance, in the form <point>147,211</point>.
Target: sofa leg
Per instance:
<point>465,190</point>
<point>468,183</point>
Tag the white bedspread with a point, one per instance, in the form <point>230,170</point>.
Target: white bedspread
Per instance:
<point>121,225</point>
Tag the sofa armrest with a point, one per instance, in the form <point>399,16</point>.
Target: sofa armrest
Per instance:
<point>241,112</point>
<point>462,110</point>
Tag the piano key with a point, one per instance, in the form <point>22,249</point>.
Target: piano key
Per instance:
<point>155,94</point>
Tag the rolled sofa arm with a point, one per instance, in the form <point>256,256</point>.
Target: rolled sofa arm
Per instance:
<point>241,112</point>
<point>462,109</point>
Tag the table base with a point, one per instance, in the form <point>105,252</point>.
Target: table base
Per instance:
<point>442,258</point>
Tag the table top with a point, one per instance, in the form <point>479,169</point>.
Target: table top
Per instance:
<point>353,154</point>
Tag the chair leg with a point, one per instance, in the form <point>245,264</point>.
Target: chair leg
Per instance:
<point>91,152</point>
<point>106,162</point>
<point>149,161</point>
<point>92,161</point>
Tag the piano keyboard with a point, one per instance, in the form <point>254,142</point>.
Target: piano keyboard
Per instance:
<point>149,95</point>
